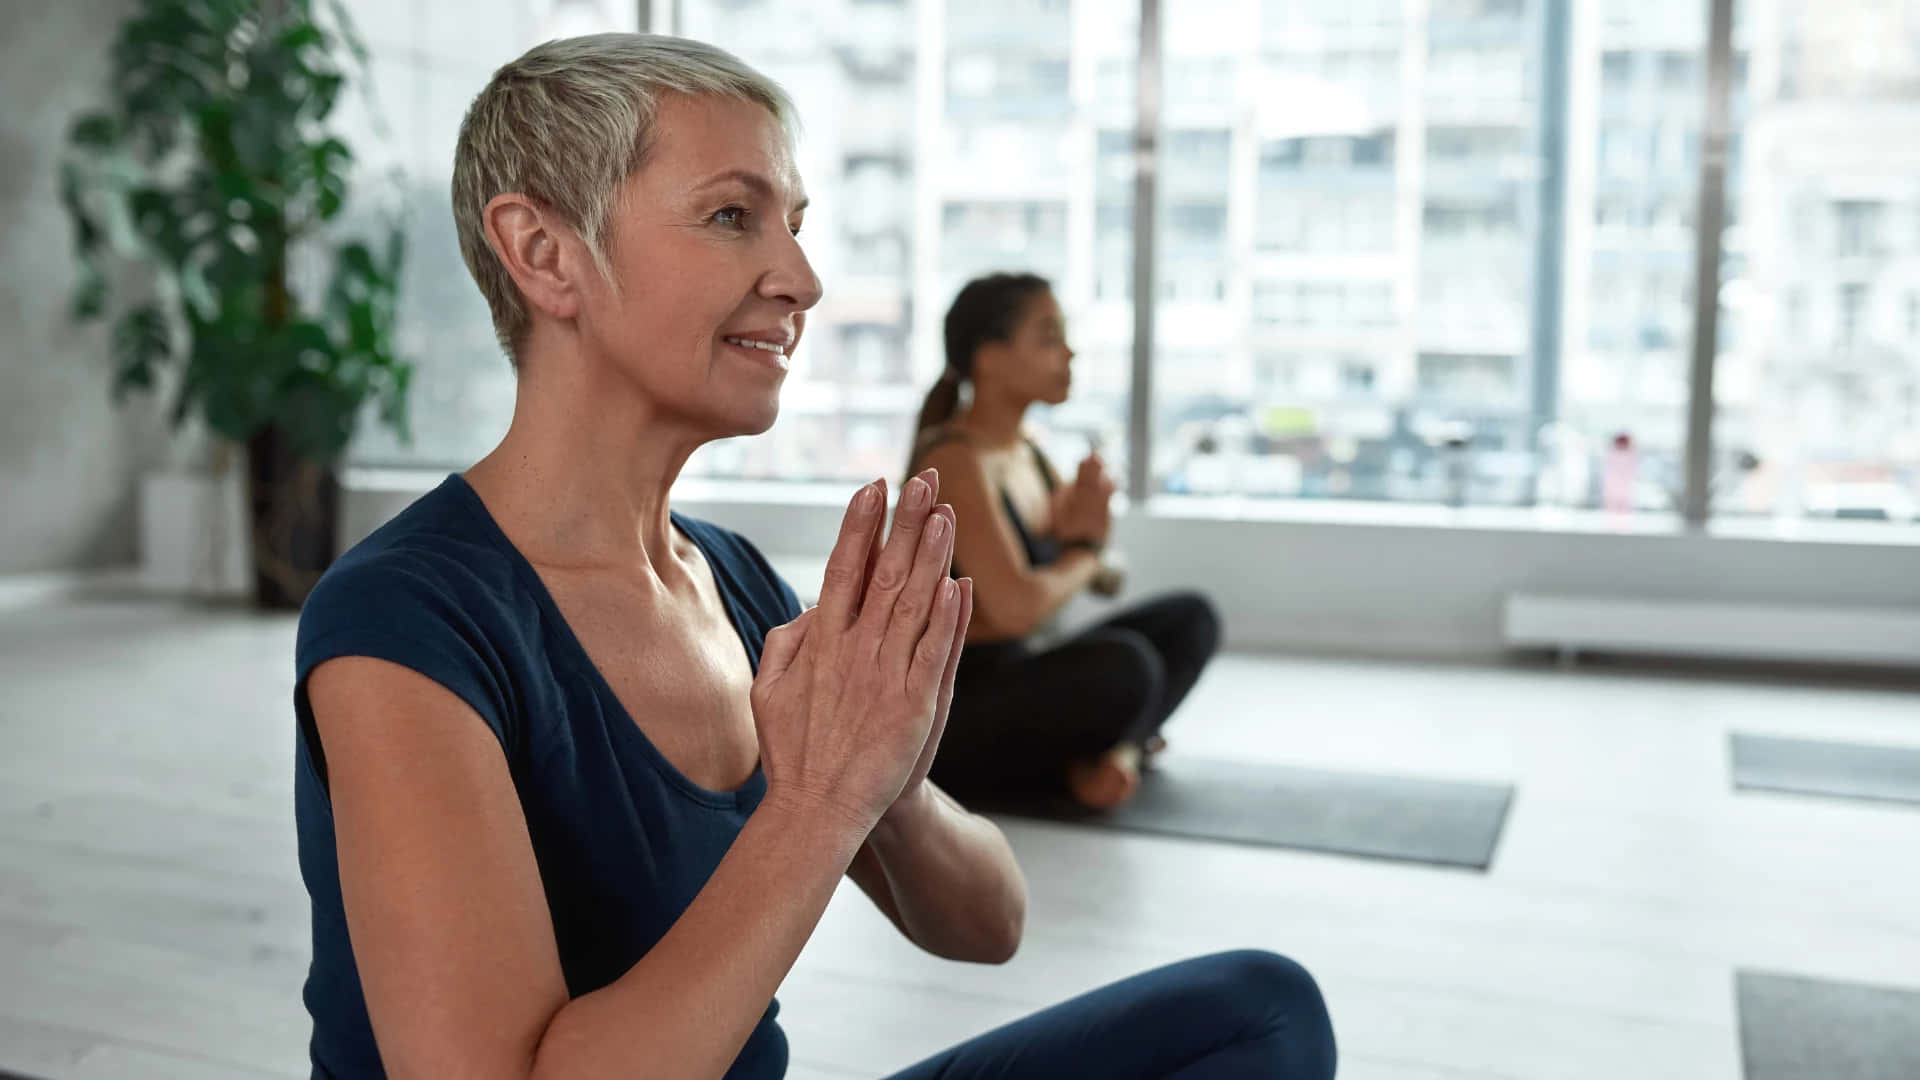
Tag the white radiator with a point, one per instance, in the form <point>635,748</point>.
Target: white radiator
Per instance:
<point>1744,631</point>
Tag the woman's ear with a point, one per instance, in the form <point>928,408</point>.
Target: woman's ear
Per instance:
<point>535,247</point>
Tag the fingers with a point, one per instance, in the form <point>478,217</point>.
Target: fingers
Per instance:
<point>932,653</point>
<point>782,645</point>
<point>1064,503</point>
<point>873,559</point>
<point>846,578</point>
<point>934,561</point>
<point>962,620</point>
<point>943,693</point>
<point>896,562</point>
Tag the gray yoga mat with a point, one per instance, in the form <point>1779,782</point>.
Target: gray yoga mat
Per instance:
<point>1796,1028</point>
<point>1845,770</point>
<point>1382,817</point>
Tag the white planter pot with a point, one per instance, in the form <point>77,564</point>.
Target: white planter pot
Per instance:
<point>193,532</point>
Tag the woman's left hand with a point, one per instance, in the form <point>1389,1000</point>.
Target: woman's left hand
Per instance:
<point>1093,490</point>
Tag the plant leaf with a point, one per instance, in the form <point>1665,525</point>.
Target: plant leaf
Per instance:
<point>90,293</point>
<point>95,130</point>
<point>196,292</point>
<point>141,341</point>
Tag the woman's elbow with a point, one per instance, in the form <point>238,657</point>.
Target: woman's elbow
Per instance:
<point>997,941</point>
<point>1009,941</point>
<point>1000,939</point>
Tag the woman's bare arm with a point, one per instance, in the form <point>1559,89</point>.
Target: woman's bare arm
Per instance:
<point>1011,597</point>
<point>946,877</point>
<point>449,922</point>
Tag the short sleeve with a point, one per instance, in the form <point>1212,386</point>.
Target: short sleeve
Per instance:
<point>415,610</point>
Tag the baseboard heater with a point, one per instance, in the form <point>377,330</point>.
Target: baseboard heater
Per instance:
<point>1809,633</point>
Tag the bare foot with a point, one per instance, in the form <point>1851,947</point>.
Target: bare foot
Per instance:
<point>1105,782</point>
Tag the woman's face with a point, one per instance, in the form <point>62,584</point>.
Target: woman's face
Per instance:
<point>711,287</point>
<point>1035,362</point>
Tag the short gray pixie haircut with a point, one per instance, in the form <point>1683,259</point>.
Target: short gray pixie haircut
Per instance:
<point>565,125</point>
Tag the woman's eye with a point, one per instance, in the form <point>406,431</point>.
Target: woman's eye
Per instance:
<point>734,217</point>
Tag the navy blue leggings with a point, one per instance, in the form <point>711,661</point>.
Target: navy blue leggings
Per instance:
<point>1231,1016</point>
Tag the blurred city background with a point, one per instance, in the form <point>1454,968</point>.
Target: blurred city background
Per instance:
<point>1433,251</point>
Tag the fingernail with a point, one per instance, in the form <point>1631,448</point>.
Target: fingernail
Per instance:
<point>918,494</point>
<point>868,500</point>
<point>949,591</point>
<point>937,528</point>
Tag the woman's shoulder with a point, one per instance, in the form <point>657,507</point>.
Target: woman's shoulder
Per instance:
<point>949,439</point>
<point>951,449</point>
<point>430,572</point>
<point>430,591</point>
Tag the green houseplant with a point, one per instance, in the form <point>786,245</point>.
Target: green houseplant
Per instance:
<point>205,200</point>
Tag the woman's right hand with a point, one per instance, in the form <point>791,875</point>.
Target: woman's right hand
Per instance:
<point>845,699</point>
<point>1083,510</point>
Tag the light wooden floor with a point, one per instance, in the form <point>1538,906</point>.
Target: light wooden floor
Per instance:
<point>152,922</point>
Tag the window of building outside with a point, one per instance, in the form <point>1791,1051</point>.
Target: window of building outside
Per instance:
<point>1817,379</point>
<point>1348,207</point>
<point>1378,200</point>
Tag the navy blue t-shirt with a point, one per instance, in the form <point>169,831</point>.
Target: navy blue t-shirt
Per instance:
<point>624,841</point>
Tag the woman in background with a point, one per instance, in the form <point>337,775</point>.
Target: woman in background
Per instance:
<point>1028,718</point>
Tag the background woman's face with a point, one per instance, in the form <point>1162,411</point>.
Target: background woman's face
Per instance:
<point>1035,362</point>
<point>711,284</point>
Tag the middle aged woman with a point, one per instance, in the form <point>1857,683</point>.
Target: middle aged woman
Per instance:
<point>576,775</point>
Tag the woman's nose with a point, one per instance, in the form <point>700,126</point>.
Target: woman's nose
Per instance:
<point>792,280</point>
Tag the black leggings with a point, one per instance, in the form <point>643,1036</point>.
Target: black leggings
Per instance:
<point>1020,717</point>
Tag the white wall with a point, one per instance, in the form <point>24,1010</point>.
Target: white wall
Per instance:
<point>68,459</point>
<point>1377,579</point>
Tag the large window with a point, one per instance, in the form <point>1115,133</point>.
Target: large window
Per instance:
<point>1437,251</point>
<point>1634,138</point>
<point>1361,313</point>
<point>1818,377</point>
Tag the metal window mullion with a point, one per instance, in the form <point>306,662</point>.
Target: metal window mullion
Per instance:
<point>1146,160</point>
<point>1549,252</point>
<point>1709,224</point>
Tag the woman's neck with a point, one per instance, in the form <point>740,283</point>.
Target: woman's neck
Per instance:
<point>995,419</point>
<point>583,477</point>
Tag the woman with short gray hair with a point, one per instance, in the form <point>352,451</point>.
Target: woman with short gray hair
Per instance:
<point>576,775</point>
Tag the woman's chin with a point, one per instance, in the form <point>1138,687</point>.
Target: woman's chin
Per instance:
<point>753,421</point>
